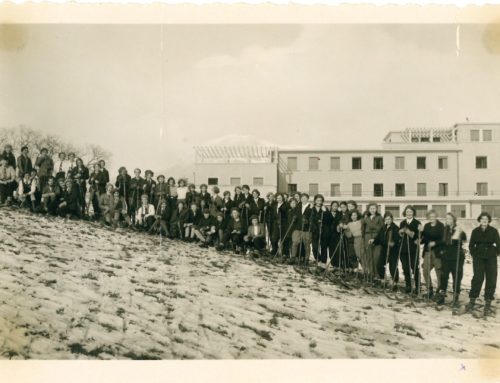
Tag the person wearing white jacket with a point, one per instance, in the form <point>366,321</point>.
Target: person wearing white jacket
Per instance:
<point>145,214</point>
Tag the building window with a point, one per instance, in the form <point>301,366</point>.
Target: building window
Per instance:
<point>421,163</point>
<point>213,181</point>
<point>313,189</point>
<point>335,190</point>
<point>436,139</point>
<point>313,163</point>
<point>258,181</point>
<point>356,190</point>
<point>474,135</point>
<point>356,163</point>
<point>482,188</point>
<point>400,190</point>
<point>292,188</point>
<point>421,211</point>
<point>440,210</point>
<point>494,210</point>
<point>378,163</point>
<point>458,211</point>
<point>235,181</point>
<point>487,135</point>
<point>292,163</point>
<point>394,210</point>
<point>443,189</point>
<point>421,189</point>
<point>378,190</point>
<point>481,162</point>
<point>442,162</point>
<point>400,163</point>
<point>334,163</point>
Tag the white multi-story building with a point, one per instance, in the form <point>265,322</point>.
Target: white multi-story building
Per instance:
<point>231,166</point>
<point>450,170</point>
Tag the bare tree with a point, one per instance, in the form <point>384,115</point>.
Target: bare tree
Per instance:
<point>23,136</point>
<point>95,153</point>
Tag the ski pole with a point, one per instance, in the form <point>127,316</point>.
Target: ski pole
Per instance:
<point>319,239</point>
<point>455,287</point>
<point>387,256</point>
<point>396,269</point>
<point>284,238</point>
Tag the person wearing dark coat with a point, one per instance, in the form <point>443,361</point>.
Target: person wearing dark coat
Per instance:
<point>206,230</point>
<point>204,197</point>
<point>122,184</point>
<point>342,257</point>
<point>69,205</point>
<point>238,199</point>
<point>177,220</point>
<point>484,246</point>
<point>97,187</point>
<point>244,205</point>
<point>50,197</point>
<point>452,258</point>
<point>149,185</point>
<point>278,218</point>
<point>332,221</point>
<point>9,156</point>
<point>80,174</point>
<point>235,230</point>
<point>220,228</point>
<point>193,217</point>
<point>135,192</point>
<point>160,190</point>
<point>409,232</point>
<point>432,236</point>
<point>192,196</point>
<point>227,205</point>
<point>319,226</point>
<point>257,205</point>
<point>162,218</point>
<point>102,164</point>
<point>301,236</point>
<point>24,164</point>
<point>389,240</point>
<point>45,167</point>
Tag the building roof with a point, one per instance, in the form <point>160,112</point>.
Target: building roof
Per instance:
<point>216,154</point>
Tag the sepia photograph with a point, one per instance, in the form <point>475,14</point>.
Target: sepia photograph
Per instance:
<point>262,191</point>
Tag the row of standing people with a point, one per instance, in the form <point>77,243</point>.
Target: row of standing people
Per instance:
<point>287,227</point>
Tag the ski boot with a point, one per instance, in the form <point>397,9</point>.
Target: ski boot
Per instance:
<point>430,293</point>
<point>456,300</point>
<point>470,306</point>
<point>488,310</point>
<point>441,298</point>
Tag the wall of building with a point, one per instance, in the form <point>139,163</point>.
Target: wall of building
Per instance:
<point>367,176</point>
<point>246,172</point>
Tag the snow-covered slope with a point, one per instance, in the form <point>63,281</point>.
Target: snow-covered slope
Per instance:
<point>74,290</point>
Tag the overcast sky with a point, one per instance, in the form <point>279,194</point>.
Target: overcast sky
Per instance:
<point>150,93</point>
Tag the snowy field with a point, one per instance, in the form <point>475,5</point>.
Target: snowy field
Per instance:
<point>76,291</point>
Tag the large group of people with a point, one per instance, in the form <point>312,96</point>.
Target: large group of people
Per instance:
<point>288,228</point>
